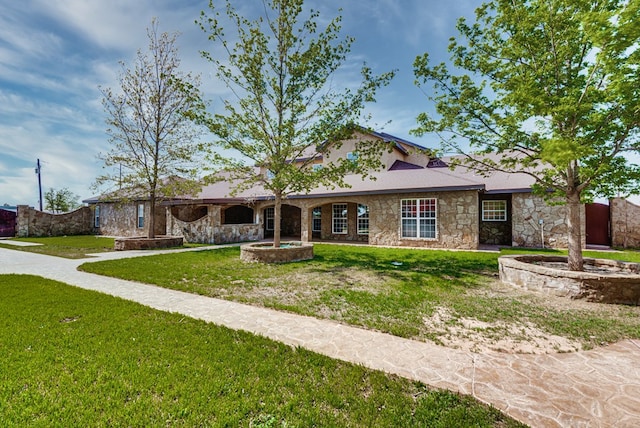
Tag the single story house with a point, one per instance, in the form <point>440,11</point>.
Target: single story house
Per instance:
<point>416,201</point>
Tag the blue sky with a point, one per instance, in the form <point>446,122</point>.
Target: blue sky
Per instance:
<point>55,54</point>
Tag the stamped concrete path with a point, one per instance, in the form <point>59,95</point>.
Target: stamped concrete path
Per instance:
<point>597,388</point>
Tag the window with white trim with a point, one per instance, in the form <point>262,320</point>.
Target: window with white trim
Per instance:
<point>419,218</point>
<point>96,216</point>
<point>316,216</point>
<point>494,210</point>
<point>339,219</point>
<point>269,215</point>
<point>363,219</point>
<point>140,216</point>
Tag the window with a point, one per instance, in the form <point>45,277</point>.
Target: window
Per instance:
<point>339,219</point>
<point>363,219</point>
<point>494,210</point>
<point>140,215</point>
<point>96,216</point>
<point>316,216</point>
<point>418,218</point>
<point>269,214</point>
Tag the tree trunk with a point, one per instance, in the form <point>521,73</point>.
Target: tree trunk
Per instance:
<point>574,226</point>
<point>277,214</point>
<point>151,224</point>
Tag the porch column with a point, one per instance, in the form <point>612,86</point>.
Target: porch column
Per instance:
<point>305,224</point>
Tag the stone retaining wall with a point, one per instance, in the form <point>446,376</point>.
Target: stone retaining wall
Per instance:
<point>610,281</point>
<point>265,253</point>
<point>31,222</point>
<point>124,244</point>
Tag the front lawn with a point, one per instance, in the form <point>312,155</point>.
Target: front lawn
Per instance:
<point>72,247</point>
<point>450,297</point>
<point>72,357</point>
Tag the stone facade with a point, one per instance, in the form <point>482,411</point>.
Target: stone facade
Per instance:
<point>31,222</point>
<point>208,228</point>
<point>121,219</point>
<point>456,227</point>
<point>457,219</point>
<point>625,224</point>
<point>458,224</point>
<point>535,220</point>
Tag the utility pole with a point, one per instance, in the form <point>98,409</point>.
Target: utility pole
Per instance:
<point>38,168</point>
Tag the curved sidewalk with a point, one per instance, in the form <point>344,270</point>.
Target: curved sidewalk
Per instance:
<point>597,388</point>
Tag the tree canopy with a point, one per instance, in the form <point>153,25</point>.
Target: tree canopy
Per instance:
<point>286,109</point>
<point>61,200</point>
<point>154,145</point>
<point>552,87</point>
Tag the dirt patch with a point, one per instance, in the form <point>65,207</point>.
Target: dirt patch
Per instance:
<point>478,336</point>
<point>350,295</point>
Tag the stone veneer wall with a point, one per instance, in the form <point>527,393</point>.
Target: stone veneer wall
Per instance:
<point>208,230</point>
<point>120,220</point>
<point>31,222</point>
<point>457,225</point>
<point>625,223</point>
<point>457,220</point>
<point>528,210</point>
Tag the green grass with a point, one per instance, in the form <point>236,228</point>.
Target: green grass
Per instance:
<point>72,357</point>
<point>72,247</point>
<point>366,287</point>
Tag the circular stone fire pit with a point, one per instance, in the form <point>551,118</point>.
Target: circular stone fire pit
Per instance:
<point>265,252</point>
<point>602,281</point>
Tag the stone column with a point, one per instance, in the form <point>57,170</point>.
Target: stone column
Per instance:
<point>305,224</point>
<point>22,221</point>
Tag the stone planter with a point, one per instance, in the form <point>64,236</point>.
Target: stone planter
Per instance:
<point>266,253</point>
<point>142,243</point>
<point>602,281</point>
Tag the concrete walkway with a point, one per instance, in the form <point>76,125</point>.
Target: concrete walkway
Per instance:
<point>597,388</point>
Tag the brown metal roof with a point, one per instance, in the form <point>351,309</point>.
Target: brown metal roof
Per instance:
<point>387,182</point>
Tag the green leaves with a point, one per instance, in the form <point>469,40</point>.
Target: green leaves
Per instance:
<point>280,69</point>
<point>549,85</point>
<point>153,139</point>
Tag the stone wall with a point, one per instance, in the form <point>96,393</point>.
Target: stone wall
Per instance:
<point>457,220</point>
<point>209,230</point>
<point>31,222</point>
<point>121,219</point>
<point>457,224</point>
<point>625,223</point>
<point>528,211</point>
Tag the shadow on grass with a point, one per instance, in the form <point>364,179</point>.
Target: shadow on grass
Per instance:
<point>407,264</point>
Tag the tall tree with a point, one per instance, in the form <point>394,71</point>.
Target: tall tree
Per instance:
<point>281,70</point>
<point>552,86</point>
<point>154,145</point>
<point>60,201</point>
